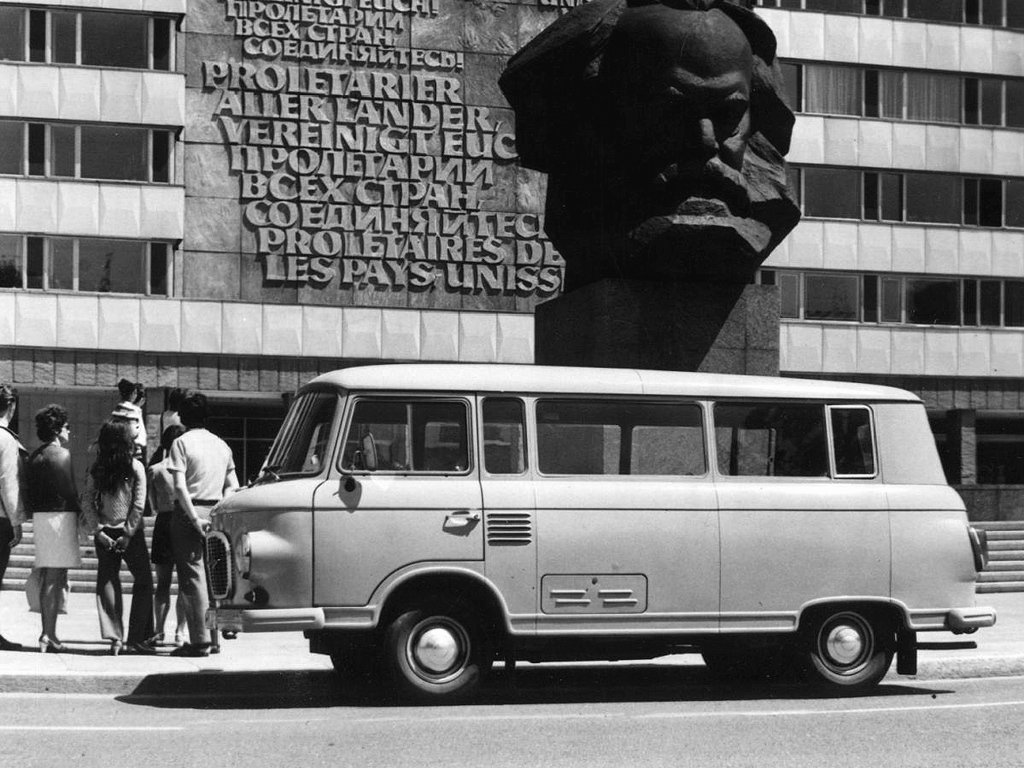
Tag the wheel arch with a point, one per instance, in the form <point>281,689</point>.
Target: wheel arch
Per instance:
<point>460,585</point>
<point>882,607</point>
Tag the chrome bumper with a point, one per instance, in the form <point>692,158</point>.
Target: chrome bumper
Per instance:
<point>969,619</point>
<point>265,619</point>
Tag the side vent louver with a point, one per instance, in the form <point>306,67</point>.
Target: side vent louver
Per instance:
<point>509,529</point>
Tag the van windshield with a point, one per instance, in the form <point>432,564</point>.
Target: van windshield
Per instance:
<point>302,443</point>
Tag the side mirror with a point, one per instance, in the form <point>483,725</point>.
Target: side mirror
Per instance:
<point>350,484</point>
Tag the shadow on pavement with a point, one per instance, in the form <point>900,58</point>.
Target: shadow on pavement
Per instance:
<point>551,684</point>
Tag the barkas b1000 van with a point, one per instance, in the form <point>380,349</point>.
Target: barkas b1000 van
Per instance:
<point>426,520</point>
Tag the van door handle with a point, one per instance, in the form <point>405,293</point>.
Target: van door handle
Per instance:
<point>461,518</point>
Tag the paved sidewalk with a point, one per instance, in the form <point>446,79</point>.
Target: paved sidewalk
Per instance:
<point>87,667</point>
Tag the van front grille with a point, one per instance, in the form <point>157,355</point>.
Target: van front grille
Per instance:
<point>509,529</point>
<point>219,568</point>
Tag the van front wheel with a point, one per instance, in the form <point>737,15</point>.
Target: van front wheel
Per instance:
<point>850,650</point>
<point>436,653</point>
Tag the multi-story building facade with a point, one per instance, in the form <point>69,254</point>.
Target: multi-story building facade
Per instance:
<point>235,195</point>
<point>908,266</point>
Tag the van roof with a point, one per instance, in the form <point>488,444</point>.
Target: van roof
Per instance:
<point>526,379</point>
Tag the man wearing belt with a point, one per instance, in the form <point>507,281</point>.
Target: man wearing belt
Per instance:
<point>12,510</point>
<point>203,469</point>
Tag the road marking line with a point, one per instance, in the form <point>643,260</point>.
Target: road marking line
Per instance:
<point>91,728</point>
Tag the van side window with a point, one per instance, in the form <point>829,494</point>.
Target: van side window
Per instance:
<point>407,436</point>
<point>504,436</point>
<point>302,445</point>
<point>576,437</point>
<point>771,439</point>
<point>852,443</point>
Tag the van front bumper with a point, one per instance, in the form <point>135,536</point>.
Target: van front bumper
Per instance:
<point>962,620</point>
<point>265,619</point>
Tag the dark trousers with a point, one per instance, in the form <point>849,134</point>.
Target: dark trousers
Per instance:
<point>108,589</point>
<point>6,536</point>
<point>189,549</point>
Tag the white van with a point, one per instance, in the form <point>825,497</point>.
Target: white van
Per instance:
<point>426,520</point>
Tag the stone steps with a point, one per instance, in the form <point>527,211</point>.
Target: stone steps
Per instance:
<point>1005,569</point>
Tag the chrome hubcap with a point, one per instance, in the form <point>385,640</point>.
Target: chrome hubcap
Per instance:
<point>438,649</point>
<point>844,644</point>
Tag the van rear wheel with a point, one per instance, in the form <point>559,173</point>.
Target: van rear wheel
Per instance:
<point>436,654</point>
<point>849,649</point>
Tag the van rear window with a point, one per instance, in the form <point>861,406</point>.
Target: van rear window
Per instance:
<point>576,437</point>
<point>771,439</point>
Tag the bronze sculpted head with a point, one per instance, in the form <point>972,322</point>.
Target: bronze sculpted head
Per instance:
<point>662,128</point>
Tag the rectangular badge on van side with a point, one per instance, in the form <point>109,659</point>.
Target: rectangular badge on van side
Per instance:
<point>594,593</point>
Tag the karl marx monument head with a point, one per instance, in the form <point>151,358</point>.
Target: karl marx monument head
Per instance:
<point>662,129</point>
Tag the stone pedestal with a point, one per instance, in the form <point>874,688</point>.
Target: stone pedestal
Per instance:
<point>707,327</point>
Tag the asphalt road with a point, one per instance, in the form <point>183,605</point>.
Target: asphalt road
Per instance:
<point>561,717</point>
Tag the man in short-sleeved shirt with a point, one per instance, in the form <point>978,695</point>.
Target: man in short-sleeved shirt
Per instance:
<point>203,469</point>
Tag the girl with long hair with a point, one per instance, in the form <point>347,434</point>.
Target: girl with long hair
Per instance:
<point>113,503</point>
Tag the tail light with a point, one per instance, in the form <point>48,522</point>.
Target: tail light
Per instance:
<point>979,546</point>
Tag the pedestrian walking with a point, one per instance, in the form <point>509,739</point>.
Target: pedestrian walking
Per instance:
<point>52,498</point>
<point>161,500</point>
<point>113,501</point>
<point>203,469</point>
<point>12,511</point>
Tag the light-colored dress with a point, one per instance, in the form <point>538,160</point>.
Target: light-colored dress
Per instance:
<point>56,540</point>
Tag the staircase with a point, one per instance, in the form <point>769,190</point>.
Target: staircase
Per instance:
<point>80,579</point>
<point>1005,569</point>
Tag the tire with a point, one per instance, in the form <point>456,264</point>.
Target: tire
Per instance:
<point>849,649</point>
<point>438,653</point>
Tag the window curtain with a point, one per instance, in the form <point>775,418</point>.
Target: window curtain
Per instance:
<point>833,90</point>
<point>934,98</point>
<point>890,94</point>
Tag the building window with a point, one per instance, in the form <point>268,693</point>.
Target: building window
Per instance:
<point>933,198</point>
<point>114,152</point>
<point>936,198</point>
<point>832,90</point>
<point>831,297</point>
<point>893,94</point>
<point>892,300</point>
<point>94,265</point>
<point>789,294</point>
<point>933,302</point>
<point>90,38</point>
<point>832,192</point>
<point>992,13</point>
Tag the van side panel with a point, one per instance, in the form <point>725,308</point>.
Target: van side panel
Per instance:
<point>933,567</point>
<point>786,543</point>
<point>906,445</point>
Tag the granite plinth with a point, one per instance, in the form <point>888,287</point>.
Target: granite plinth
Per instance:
<point>706,327</point>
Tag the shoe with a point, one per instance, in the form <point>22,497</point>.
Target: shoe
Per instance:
<point>115,647</point>
<point>179,639</point>
<point>192,651</point>
<point>140,649</point>
<point>7,645</point>
<point>156,639</point>
<point>48,645</point>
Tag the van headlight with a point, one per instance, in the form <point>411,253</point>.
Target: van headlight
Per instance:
<point>243,555</point>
